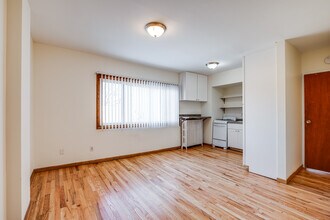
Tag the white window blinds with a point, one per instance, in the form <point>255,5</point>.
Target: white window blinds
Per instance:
<point>133,103</point>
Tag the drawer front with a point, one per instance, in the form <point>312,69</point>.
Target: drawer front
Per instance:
<point>235,126</point>
<point>219,143</point>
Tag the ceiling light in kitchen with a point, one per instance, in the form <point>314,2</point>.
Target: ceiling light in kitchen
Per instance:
<point>155,29</point>
<point>212,65</point>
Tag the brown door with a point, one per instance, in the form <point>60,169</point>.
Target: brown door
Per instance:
<point>317,121</point>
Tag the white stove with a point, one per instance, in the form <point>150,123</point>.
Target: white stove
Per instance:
<point>220,131</point>
<point>225,120</point>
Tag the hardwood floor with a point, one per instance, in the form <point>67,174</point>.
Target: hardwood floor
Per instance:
<point>314,181</point>
<point>202,183</point>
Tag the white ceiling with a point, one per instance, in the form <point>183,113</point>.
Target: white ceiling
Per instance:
<point>311,42</point>
<point>198,31</point>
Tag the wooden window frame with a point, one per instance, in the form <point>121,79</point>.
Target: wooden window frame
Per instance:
<point>98,97</point>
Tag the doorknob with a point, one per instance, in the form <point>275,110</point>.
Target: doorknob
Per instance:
<point>308,121</point>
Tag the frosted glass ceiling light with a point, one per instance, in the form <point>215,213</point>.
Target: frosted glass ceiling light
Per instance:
<point>212,65</point>
<point>155,29</point>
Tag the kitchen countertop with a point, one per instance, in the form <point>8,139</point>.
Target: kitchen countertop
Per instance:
<point>235,122</point>
<point>193,117</point>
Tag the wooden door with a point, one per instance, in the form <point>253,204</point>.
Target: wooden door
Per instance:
<point>317,121</point>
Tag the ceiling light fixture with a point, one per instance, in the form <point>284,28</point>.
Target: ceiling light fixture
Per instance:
<point>212,65</point>
<point>155,29</point>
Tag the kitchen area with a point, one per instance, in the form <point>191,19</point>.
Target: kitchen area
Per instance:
<point>211,110</point>
<point>227,130</point>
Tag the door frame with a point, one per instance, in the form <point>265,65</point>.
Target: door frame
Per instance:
<point>303,117</point>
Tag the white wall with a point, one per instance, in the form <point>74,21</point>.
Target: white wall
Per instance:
<point>226,78</point>
<point>260,112</point>
<point>26,169</point>
<point>32,159</point>
<point>64,112</point>
<point>293,109</point>
<point>273,113</point>
<point>212,106</point>
<point>13,129</point>
<point>2,109</point>
<point>289,102</point>
<point>313,61</point>
<point>17,108</point>
<point>233,90</point>
<point>187,107</point>
<point>281,110</point>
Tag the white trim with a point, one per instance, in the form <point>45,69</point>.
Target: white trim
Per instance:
<point>276,110</point>
<point>303,120</point>
<point>243,110</point>
<point>316,71</point>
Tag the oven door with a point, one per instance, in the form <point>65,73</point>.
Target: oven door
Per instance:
<point>220,131</point>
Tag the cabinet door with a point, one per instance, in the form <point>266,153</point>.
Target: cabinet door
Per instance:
<point>232,138</point>
<point>202,88</point>
<point>199,131</point>
<point>191,132</point>
<point>239,139</point>
<point>189,86</point>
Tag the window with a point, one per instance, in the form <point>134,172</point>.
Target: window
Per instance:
<point>133,103</point>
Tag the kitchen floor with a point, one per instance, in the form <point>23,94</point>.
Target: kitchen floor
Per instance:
<point>202,183</point>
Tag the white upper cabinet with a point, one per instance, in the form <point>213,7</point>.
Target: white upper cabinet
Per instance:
<point>193,87</point>
<point>188,86</point>
<point>201,88</point>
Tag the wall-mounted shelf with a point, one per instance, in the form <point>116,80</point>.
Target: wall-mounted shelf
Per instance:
<point>232,106</point>
<point>232,101</point>
<point>230,96</point>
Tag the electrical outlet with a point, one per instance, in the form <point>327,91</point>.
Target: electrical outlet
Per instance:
<point>91,148</point>
<point>61,151</point>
